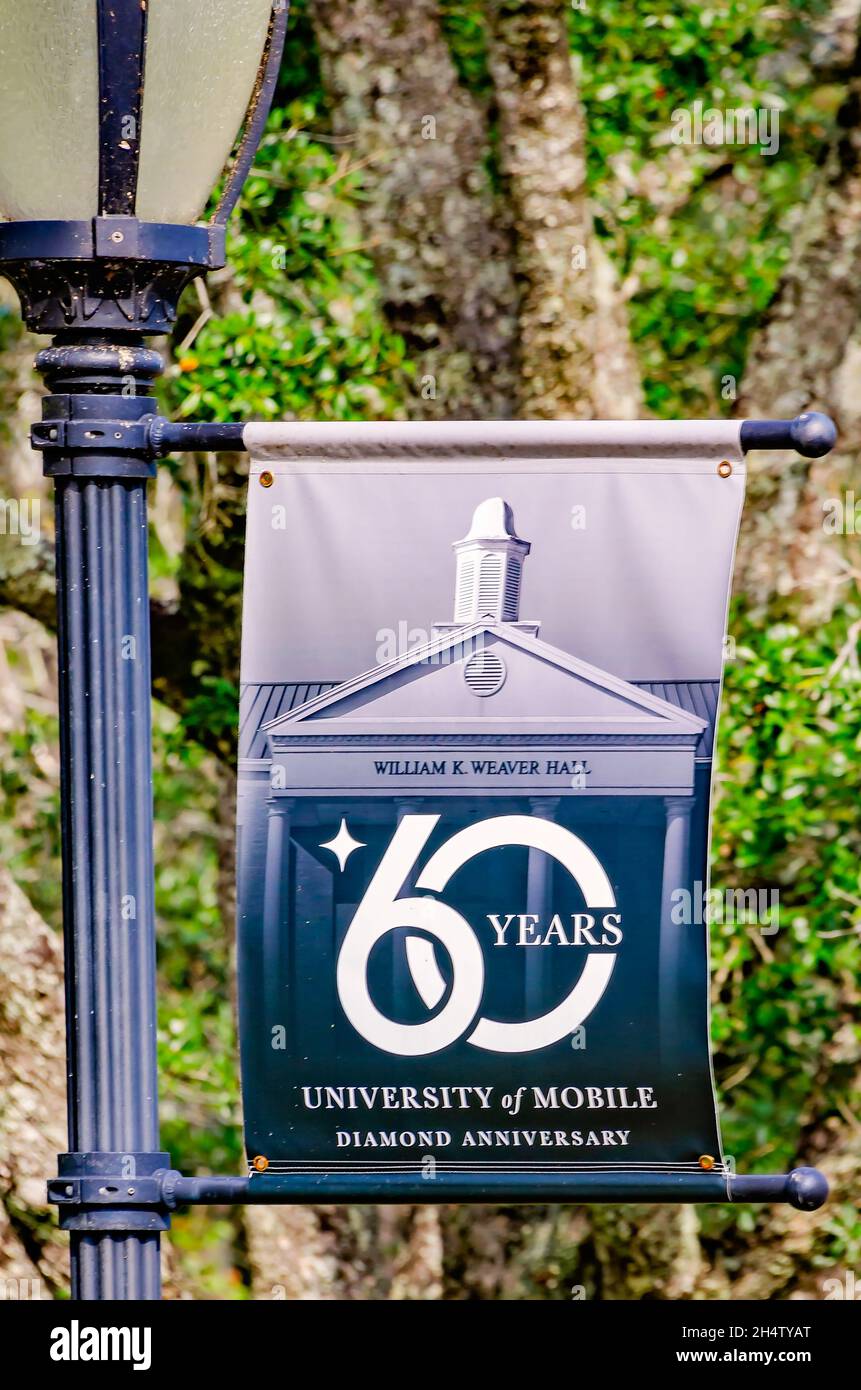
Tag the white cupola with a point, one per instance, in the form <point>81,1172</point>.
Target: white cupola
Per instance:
<point>489,565</point>
<point>489,569</point>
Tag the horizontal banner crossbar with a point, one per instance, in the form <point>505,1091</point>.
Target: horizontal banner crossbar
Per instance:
<point>804,1188</point>
<point>811,434</point>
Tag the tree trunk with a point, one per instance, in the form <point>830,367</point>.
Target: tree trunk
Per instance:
<point>430,218</point>
<point>805,356</point>
<point>575,355</point>
<point>33,1095</point>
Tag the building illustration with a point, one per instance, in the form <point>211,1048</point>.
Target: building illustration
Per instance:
<point>482,718</point>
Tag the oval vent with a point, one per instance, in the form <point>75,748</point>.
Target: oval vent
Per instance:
<point>485,673</point>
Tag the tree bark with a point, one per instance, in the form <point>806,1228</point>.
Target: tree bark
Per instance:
<point>805,357</point>
<point>441,251</point>
<point>33,1095</point>
<point>34,1261</point>
<point>576,360</point>
<point>27,578</point>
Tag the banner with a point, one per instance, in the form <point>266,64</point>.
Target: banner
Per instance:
<point>481,673</point>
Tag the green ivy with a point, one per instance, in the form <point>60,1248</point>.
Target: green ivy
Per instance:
<point>787,1040</point>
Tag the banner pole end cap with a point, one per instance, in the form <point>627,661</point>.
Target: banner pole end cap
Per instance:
<point>813,434</point>
<point>807,1189</point>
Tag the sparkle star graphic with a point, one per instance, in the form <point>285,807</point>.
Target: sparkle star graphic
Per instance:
<point>343,844</point>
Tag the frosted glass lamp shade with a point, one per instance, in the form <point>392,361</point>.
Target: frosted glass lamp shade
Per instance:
<point>49,112</point>
<point>202,59</point>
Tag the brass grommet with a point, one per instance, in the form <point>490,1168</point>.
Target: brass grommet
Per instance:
<point>266,480</point>
<point>725,469</point>
<point>260,1164</point>
<point>707,1162</point>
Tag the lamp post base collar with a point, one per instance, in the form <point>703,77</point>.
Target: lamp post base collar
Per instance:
<point>95,423</point>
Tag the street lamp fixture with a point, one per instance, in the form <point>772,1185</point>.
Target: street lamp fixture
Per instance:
<point>117,119</point>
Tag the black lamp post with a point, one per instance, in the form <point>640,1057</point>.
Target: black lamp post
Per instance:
<point>116,119</point>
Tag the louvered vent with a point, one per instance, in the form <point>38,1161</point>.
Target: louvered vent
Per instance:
<point>464,611</point>
<point>511,610</point>
<point>489,585</point>
<point>484,673</point>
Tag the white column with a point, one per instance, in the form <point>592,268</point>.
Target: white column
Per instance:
<point>275,896</point>
<point>677,873</point>
<point>539,888</point>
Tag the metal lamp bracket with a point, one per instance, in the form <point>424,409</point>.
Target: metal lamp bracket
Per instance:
<point>111,1191</point>
<point>83,446</point>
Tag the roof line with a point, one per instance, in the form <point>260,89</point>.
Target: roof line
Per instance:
<point>506,632</point>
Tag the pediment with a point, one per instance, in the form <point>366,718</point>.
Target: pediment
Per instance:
<point>435,689</point>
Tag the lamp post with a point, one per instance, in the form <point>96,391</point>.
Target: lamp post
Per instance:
<point>116,119</point>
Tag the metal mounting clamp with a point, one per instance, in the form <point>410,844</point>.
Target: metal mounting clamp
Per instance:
<point>90,436</point>
<point>96,435</point>
<point>121,440</point>
<point>111,1191</point>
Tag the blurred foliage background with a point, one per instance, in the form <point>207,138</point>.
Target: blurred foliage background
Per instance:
<point>298,328</point>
